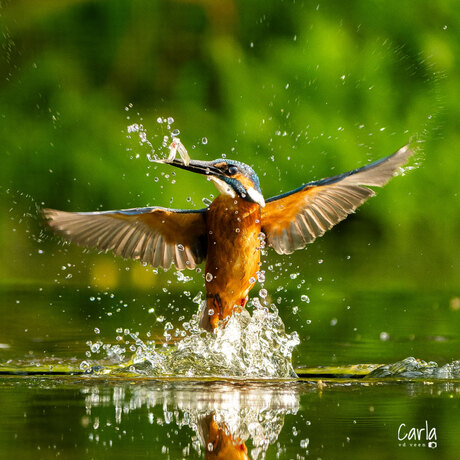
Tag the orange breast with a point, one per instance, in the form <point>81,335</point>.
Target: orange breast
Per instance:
<point>224,446</point>
<point>233,255</point>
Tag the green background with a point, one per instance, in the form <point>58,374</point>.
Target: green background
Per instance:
<point>298,90</point>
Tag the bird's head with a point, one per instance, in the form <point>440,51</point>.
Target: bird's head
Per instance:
<point>231,177</point>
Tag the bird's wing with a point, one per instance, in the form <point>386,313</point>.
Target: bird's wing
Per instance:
<point>294,219</point>
<point>157,236</point>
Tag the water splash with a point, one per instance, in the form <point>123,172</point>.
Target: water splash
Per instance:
<point>412,368</point>
<point>254,346</point>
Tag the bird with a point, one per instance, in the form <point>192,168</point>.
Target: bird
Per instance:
<point>230,232</point>
<point>218,441</point>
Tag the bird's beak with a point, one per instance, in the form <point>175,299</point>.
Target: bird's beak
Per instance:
<point>215,174</point>
<point>196,166</point>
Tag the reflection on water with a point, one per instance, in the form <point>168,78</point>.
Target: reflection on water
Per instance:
<point>122,409</point>
<point>222,416</point>
<point>113,417</point>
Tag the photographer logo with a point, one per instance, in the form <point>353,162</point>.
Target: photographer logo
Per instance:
<point>424,436</point>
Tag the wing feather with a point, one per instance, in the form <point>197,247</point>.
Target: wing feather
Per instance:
<point>306,230</point>
<point>294,219</point>
<point>131,243</point>
<point>147,256</point>
<point>158,252</point>
<point>149,234</point>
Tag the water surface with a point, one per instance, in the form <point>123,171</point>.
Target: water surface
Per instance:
<point>337,408</point>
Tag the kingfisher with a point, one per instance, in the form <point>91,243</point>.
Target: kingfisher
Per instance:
<point>229,233</point>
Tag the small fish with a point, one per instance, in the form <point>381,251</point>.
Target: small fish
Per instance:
<point>177,147</point>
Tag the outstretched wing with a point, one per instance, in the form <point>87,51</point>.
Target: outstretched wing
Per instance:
<point>157,236</point>
<point>294,219</point>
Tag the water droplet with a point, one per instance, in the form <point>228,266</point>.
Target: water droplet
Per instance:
<point>252,280</point>
<point>305,298</point>
<point>204,141</point>
<point>210,312</point>
<point>134,128</point>
<point>170,120</point>
<point>209,277</point>
<point>261,276</point>
<point>180,247</point>
<point>333,321</point>
<point>96,330</point>
<point>159,120</point>
<point>263,293</point>
<point>175,133</point>
<point>384,336</point>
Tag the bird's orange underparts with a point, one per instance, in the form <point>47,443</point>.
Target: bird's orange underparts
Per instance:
<point>228,234</point>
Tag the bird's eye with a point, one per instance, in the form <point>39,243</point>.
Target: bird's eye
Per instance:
<point>232,170</point>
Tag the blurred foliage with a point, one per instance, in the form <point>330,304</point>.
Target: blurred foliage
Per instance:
<point>299,90</point>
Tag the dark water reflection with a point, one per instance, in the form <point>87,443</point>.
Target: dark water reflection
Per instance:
<point>93,418</point>
<point>119,417</point>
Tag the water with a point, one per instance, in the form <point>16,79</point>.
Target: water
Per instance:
<point>96,417</point>
<point>250,346</point>
<point>357,389</point>
<point>412,368</point>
